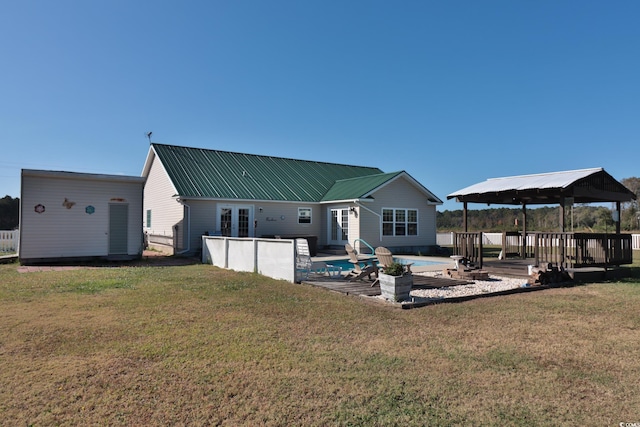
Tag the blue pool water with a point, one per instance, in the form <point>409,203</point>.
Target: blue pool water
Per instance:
<point>346,265</point>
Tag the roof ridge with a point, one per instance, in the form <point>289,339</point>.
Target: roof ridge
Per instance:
<point>546,173</point>
<point>265,156</point>
<point>369,176</point>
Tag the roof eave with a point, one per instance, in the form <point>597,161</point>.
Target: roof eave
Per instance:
<point>358,200</point>
<point>432,199</point>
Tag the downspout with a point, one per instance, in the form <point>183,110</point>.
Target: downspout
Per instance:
<point>355,202</point>
<point>188,217</point>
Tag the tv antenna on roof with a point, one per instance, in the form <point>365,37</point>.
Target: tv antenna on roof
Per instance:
<point>149,136</point>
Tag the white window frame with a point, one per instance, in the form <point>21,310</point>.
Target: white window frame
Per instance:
<point>300,216</point>
<point>394,223</point>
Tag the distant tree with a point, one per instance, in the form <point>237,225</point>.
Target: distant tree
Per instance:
<point>9,213</point>
<point>632,184</point>
<point>583,217</point>
<point>630,215</point>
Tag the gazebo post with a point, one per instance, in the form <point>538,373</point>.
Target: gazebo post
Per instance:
<point>563,242</point>
<point>619,218</point>
<point>524,230</point>
<point>464,217</point>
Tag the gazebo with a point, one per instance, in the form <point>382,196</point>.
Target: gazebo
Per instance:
<point>562,188</point>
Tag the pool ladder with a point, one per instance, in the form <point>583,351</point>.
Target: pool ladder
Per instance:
<point>373,251</point>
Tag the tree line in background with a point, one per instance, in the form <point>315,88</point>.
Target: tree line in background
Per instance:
<point>9,213</point>
<point>579,218</point>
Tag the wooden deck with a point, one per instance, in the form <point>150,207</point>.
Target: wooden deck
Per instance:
<point>517,267</point>
<point>510,267</point>
<point>363,287</point>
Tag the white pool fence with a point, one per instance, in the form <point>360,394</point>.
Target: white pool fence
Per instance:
<point>270,257</point>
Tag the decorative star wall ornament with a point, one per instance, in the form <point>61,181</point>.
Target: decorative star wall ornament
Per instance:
<point>89,209</point>
<point>39,208</point>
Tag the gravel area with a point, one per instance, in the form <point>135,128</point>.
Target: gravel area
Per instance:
<point>494,284</point>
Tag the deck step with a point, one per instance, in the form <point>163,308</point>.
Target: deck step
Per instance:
<point>587,274</point>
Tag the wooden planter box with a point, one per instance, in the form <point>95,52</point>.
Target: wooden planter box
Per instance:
<point>395,288</point>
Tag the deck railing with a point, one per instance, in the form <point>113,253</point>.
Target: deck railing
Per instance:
<point>571,249</point>
<point>469,245</point>
<point>561,249</point>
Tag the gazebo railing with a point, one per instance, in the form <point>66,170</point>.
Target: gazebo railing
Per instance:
<point>598,249</point>
<point>469,245</point>
<point>571,249</point>
<point>512,245</point>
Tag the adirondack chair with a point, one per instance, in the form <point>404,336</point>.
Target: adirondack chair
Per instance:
<point>385,257</point>
<point>361,267</point>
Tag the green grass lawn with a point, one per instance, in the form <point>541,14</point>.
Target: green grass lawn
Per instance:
<point>197,345</point>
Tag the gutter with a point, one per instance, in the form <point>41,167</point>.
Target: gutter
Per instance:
<point>188,248</point>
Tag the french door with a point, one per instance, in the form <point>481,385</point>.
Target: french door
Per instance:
<point>338,226</point>
<point>235,220</point>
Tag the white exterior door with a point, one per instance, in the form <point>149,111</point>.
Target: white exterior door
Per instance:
<point>235,220</point>
<point>338,226</point>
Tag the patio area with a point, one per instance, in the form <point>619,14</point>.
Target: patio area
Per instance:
<point>427,280</point>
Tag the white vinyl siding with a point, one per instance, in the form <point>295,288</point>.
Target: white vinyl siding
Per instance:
<point>203,220</point>
<point>79,227</point>
<point>399,194</point>
<point>278,218</point>
<point>159,199</point>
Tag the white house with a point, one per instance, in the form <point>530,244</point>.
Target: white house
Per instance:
<point>76,216</point>
<point>190,192</point>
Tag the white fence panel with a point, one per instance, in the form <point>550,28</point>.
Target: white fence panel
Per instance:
<point>277,258</point>
<point>273,258</point>
<point>446,239</point>
<point>9,240</point>
<point>241,254</point>
<point>492,239</point>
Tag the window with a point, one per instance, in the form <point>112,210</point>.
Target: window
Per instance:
<point>399,222</point>
<point>148,218</point>
<point>304,215</point>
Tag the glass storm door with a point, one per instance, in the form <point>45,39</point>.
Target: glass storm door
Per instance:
<point>339,227</point>
<point>235,220</point>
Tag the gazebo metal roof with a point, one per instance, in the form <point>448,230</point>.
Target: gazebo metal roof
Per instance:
<point>581,186</point>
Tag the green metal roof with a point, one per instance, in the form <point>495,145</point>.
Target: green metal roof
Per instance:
<point>204,173</point>
<point>356,188</point>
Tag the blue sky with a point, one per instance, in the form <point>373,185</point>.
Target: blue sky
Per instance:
<point>453,92</point>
